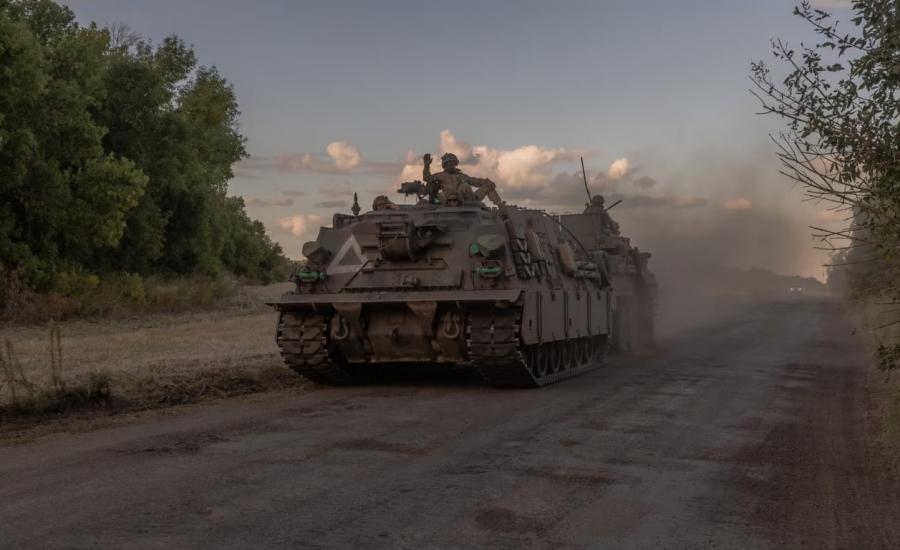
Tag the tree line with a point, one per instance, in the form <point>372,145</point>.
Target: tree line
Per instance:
<point>115,156</point>
<point>840,98</point>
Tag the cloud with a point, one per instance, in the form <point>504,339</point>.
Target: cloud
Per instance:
<point>300,224</point>
<point>646,201</point>
<point>740,203</point>
<point>346,156</point>
<point>411,157</point>
<point>565,192</point>
<point>525,166</point>
<point>256,201</point>
<point>645,182</point>
<point>337,189</point>
<point>331,204</point>
<point>449,144</point>
<point>409,172</point>
<point>339,157</point>
<point>618,169</point>
<point>562,190</point>
<point>300,162</point>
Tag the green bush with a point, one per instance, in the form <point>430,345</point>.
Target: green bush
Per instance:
<point>134,289</point>
<point>69,283</point>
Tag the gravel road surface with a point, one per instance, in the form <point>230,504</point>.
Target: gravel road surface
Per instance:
<point>747,433</point>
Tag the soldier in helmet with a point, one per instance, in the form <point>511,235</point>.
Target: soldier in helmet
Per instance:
<point>452,181</point>
<point>597,207</point>
<point>381,202</point>
<point>452,199</point>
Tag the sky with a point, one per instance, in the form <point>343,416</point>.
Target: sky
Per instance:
<point>345,96</point>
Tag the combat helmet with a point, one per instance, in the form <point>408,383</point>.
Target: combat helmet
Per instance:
<point>381,202</point>
<point>448,158</point>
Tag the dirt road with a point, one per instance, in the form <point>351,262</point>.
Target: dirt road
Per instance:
<point>750,433</point>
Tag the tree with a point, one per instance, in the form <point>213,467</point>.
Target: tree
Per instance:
<point>115,155</point>
<point>178,122</point>
<point>64,197</point>
<point>840,98</point>
<point>842,143</point>
<point>22,83</point>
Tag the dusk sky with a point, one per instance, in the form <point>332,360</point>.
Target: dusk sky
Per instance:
<point>338,97</point>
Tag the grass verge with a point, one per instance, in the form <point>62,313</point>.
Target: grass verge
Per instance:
<point>109,370</point>
<point>123,295</point>
<point>101,395</point>
<point>878,326</point>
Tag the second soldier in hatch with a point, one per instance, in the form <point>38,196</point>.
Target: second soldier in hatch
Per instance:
<point>598,208</point>
<point>452,182</point>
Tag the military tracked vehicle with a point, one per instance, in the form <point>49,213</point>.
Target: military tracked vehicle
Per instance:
<point>633,285</point>
<point>507,291</point>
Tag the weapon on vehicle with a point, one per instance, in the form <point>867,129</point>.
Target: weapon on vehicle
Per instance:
<point>613,204</point>
<point>419,189</point>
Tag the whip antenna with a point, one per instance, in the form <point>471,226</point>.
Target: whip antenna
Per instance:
<point>584,175</point>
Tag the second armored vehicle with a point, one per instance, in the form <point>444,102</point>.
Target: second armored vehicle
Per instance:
<point>633,285</point>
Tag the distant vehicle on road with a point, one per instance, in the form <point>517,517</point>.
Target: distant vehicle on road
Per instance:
<point>796,290</point>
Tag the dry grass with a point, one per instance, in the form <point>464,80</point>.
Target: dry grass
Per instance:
<point>121,296</point>
<point>874,325</point>
<point>25,395</point>
<point>150,361</point>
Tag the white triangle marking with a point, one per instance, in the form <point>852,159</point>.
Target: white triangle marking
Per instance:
<point>335,267</point>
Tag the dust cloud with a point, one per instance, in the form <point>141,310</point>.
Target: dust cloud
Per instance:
<point>725,228</point>
<point>730,232</point>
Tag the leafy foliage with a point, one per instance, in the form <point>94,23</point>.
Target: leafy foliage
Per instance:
<point>840,100</point>
<point>115,155</point>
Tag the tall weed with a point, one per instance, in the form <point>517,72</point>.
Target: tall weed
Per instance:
<point>27,396</point>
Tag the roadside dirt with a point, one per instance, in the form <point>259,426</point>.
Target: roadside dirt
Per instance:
<point>155,361</point>
<point>157,343</point>
<point>748,433</point>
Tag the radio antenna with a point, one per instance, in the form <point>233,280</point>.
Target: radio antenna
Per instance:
<point>584,175</point>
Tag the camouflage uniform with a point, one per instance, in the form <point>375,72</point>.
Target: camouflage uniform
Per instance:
<point>381,202</point>
<point>453,182</point>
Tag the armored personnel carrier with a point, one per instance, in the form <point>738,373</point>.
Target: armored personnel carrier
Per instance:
<point>633,285</point>
<point>507,291</point>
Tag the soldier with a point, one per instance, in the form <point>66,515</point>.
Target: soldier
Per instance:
<point>597,207</point>
<point>381,202</point>
<point>453,181</point>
